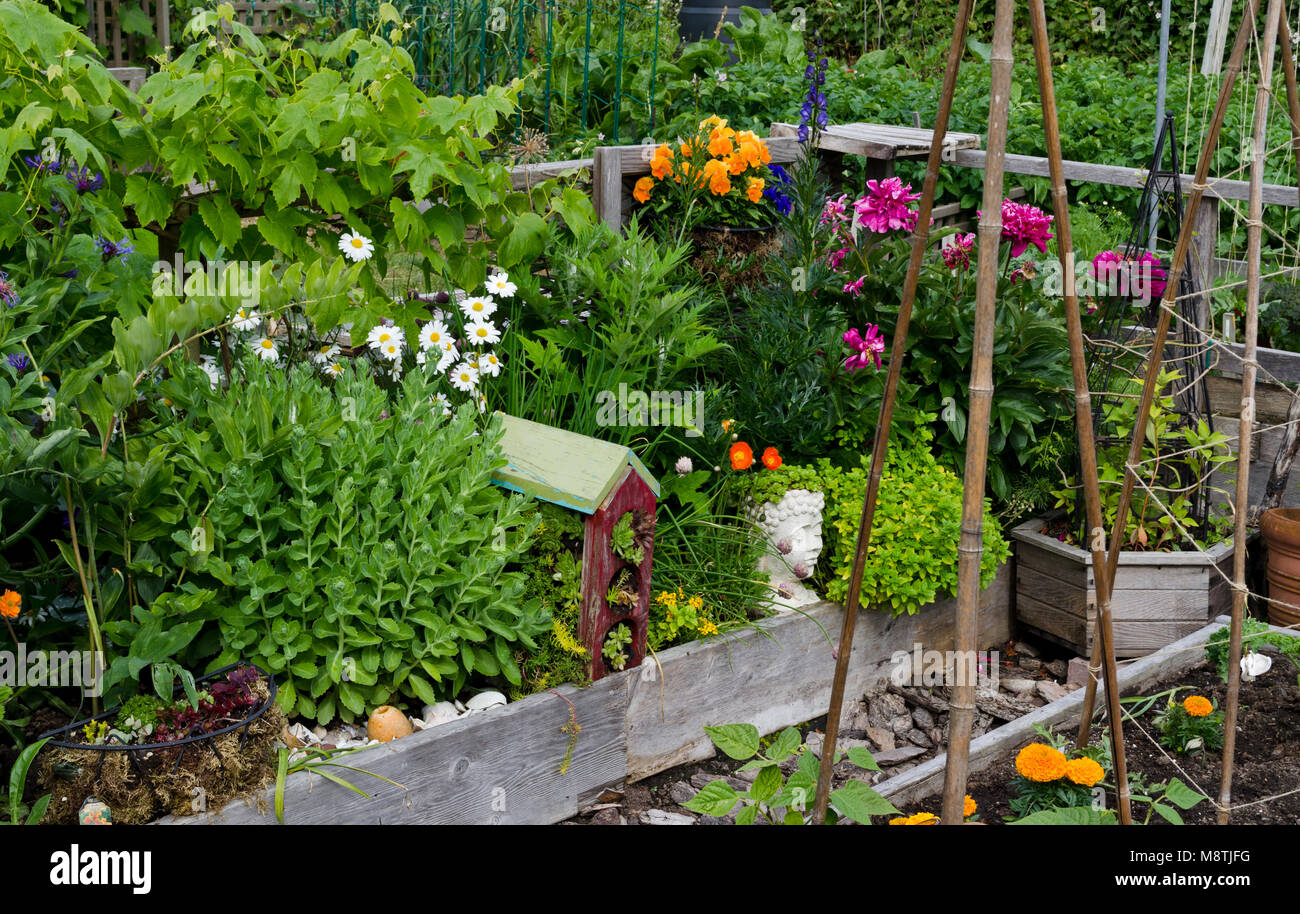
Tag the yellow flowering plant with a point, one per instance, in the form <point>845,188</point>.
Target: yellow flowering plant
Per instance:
<point>717,177</point>
<point>676,617</point>
<point>1190,725</point>
<point>1051,774</point>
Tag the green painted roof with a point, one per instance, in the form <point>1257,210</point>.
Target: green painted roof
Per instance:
<point>564,468</point>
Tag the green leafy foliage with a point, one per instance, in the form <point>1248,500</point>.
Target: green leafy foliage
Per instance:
<point>1255,635</point>
<point>912,558</point>
<point>1183,732</point>
<point>778,799</point>
<point>360,557</point>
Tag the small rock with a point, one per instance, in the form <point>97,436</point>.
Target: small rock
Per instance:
<point>1018,686</point>
<point>681,793</point>
<point>901,724</point>
<point>1026,649</point>
<point>1058,668</point>
<point>748,776</point>
<point>661,817</point>
<point>923,718</point>
<point>608,816</point>
<point>1077,672</point>
<point>882,709</point>
<point>700,780</point>
<point>918,738</point>
<point>443,711</point>
<point>882,738</point>
<point>854,716</point>
<point>1030,664</point>
<point>714,820</point>
<point>898,756</point>
<point>935,734</point>
<point>484,700</point>
<point>1051,691</point>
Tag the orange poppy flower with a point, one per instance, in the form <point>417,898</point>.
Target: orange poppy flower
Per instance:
<point>641,193</point>
<point>771,459</point>
<point>742,456</point>
<point>11,603</point>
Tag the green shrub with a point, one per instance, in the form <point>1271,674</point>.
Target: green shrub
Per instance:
<point>913,555</point>
<point>359,556</point>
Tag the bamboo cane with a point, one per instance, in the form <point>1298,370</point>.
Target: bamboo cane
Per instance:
<point>1082,399</point>
<point>1254,239</point>
<point>1292,95</point>
<point>1179,261</point>
<point>971,544</point>
<point>920,238</point>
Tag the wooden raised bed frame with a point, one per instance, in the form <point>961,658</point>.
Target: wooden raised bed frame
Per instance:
<point>503,766</point>
<point>1158,597</point>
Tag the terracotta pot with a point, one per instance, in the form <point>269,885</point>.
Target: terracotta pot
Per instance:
<point>1281,529</point>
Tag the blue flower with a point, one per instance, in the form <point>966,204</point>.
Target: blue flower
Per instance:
<point>83,181</point>
<point>111,249</point>
<point>40,164</point>
<point>19,362</point>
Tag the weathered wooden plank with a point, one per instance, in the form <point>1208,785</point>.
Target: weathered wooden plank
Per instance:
<point>780,674</point>
<point>1067,597</point>
<point>524,176</point>
<point>1059,567</point>
<point>607,186</point>
<point>1158,605</point>
<point>497,767</point>
<point>880,141</point>
<point>1029,533</point>
<point>1135,639</point>
<point>1271,402</point>
<point>1119,176</point>
<point>925,780</point>
<point>1071,628</point>
<point>1274,364</point>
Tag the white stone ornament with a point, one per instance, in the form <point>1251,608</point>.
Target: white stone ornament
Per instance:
<point>793,529</point>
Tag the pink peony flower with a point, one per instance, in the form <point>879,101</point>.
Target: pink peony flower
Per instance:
<point>1024,225</point>
<point>956,256</point>
<point>867,347</point>
<point>885,206</point>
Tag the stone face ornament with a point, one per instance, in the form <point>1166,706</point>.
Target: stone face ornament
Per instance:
<point>793,529</point>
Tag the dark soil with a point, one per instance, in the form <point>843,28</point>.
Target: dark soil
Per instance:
<point>1267,758</point>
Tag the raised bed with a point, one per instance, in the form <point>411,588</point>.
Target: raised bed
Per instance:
<point>503,766</point>
<point>1157,597</point>
<point>926,780</point>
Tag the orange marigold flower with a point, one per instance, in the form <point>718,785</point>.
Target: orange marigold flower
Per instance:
<point>742,456</point>
<point>772,458</point>
<point>1197,706</point>
<point>968,807</point>
<point>10,604</point>
<point>1041,763</point>
<point>921,818</point>
<point>1083,771</point>
<point>641,193</point>
<point>755,190</point>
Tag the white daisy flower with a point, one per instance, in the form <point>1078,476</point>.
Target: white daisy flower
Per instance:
<point>334,369</point>
<point>356,247</point>
<point>482,403</point>
<point>478,308</point>
<point>245,319</point>
<point>325,354</point>
<point>500,284</point>
<point>441,400</point>
<point>209,365</point>
<point>482,333</point>
<point>488,364</point>
<point>433,335</point>
<point>266,349</point>
<point>464,377</point>
<point>421,356</point>
<point>394,372</point>
<point>380,336</point>
<point>392,350</point>
<point>448,354</point>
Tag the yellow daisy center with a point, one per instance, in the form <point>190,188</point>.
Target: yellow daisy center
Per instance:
<point>357,243</point>
<point>267,344</point>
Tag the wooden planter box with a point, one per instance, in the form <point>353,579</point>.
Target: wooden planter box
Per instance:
<point>503,766</point>
<point>1157,597</point>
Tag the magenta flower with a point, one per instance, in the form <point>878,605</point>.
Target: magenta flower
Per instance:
<point>1105,265</point>
<point>855,288</point>
<point>867,348</point>
<point>1024,225</point>
<point>837,257</point>
<point>956,256</point>
<point>1155,278</point>
<point>1142,278</point>
<point>885,206</point>
<point>836,210</point>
